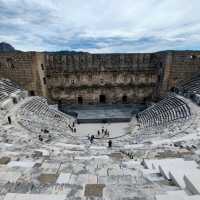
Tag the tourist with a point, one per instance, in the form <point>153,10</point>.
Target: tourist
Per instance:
<point>9,120</point>
<point>73,125</point>
<point>92,139</point>
<point>74,130</point>
<point>98,133</point>
<point>88,136</point>
<point>108,133</point>
<point>40,138</point>
<point>137,117</point>
<point>70,128</point>
<point>102,130</point>
<point>46,131</point>
<point>109,143</point>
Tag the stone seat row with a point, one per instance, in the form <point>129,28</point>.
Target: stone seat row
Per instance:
<point>182,173</point>
<point>190,89</point>
<point>35,114</point>
<point>37,126</point>
<point>3,96</point>
<point>38,106</point>
<point>167,130</point>
<point>8,88</point>
<point>9,83</point>
<point>167,110</point>
<point>193,81</point>
<point>192,86</point>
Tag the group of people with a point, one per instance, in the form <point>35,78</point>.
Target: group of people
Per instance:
<point>103,132</point>
<point>91,138</point>
<point>45,131</point>
<point>72,128</point>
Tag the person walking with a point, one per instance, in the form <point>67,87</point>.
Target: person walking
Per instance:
<point>109,143</point>
<point>9,120</point>
<point>92,139</point>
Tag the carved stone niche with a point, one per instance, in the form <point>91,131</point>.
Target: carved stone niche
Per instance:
<point>68,60</point>
<point>83,60</point>
<point>115,60</point>
<point>128,60</point>
<point>98,60</point>
<point>58,60</point>
<point>101,82</point>
<point>10,63</point>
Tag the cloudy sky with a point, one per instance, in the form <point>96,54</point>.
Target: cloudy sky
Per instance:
<point>100,25</point>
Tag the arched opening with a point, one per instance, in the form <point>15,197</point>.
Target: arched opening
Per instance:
<point>42,66</point>
<point>172,89</point>
<point>59,104</point>
<point>31,93</point>
<point>102,99</point>
<point>124,99</point>
<point>80,100</point>
<point>14,100</point>
<point>44,81</point>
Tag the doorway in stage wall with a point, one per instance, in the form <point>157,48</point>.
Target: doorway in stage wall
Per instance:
<point>124,99</point>
<point>102,99</point>
<point>80,100</point>
<point>31,93</point>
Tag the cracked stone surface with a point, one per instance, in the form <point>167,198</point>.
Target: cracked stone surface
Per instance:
<point>68,166</point>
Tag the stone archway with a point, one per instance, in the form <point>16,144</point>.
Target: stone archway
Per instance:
<point>124,99</point>
<point>102,99</point>
<point>80,100</point>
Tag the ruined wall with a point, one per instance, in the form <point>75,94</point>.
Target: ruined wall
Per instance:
<point>85,78</point>
<point>178,67</point>
<point>137,87</point>
<point>22,68</point>
<point>88,76</point>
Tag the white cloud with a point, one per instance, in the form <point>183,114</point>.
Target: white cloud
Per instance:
<point>100,25</point>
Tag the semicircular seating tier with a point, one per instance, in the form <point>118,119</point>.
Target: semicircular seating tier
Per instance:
<point>191,89</point>
<point>170,109</point>
<point>8,88</point>
<point>35,115</point>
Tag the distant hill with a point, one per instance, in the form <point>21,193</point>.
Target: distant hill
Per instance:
<point>65,52</point>
<point>5,47</point>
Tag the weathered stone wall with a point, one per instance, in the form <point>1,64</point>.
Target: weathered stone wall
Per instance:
<point>22,69</point>
<point>178,67</point>
<point>114,85</point>
<point>88,76</point>
<point>131,78</point>
<point>112,95</point>
<point>98,62</point>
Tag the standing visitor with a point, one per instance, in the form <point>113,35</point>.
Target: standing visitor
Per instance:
<point>109,143</point>
<point>9,120</point>
<point>92,139</point>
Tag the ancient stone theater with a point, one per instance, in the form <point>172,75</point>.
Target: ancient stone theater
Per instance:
<point>81,126</point>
